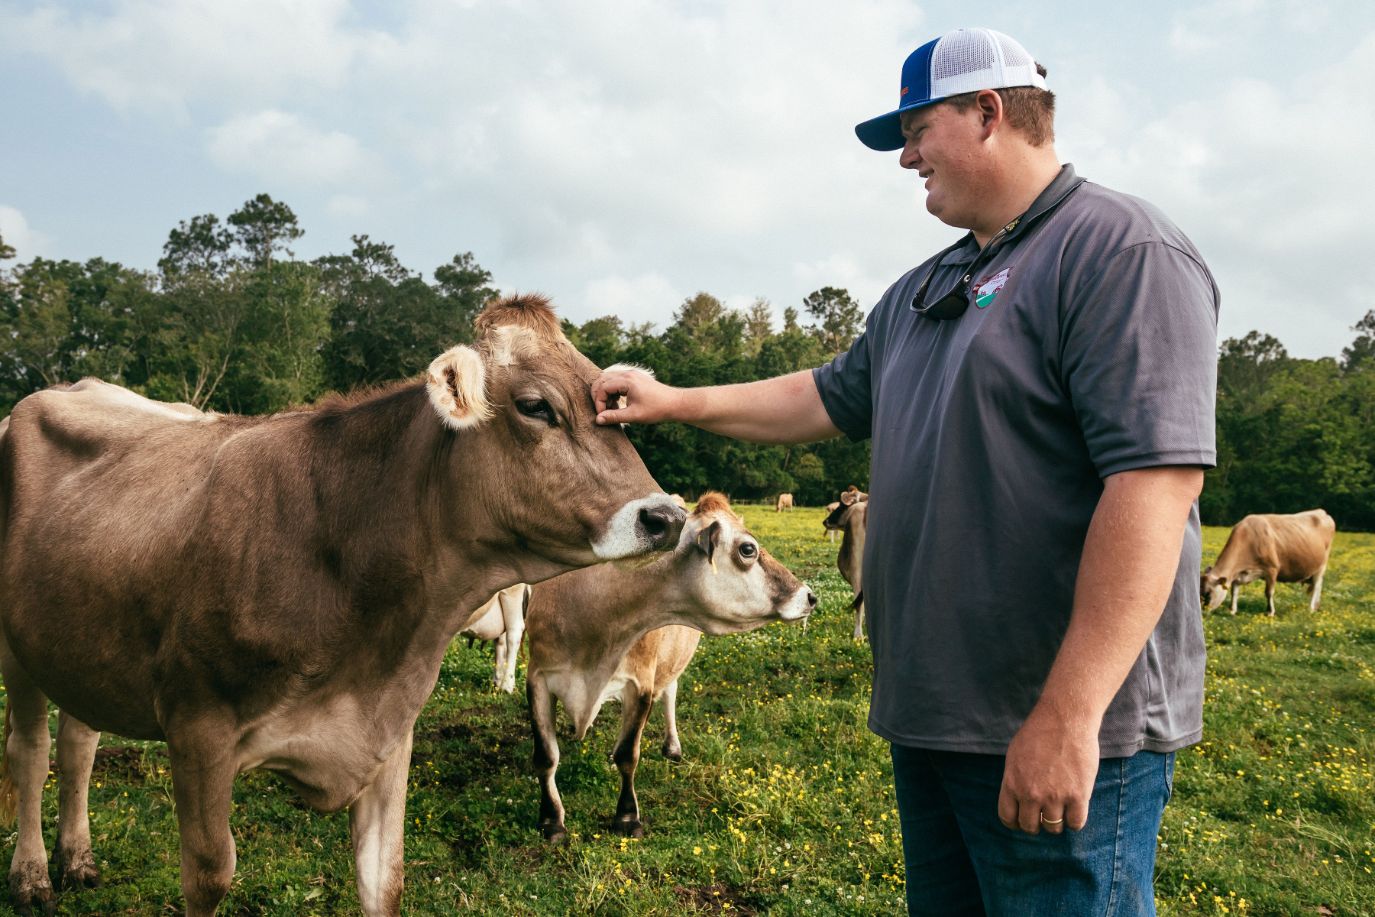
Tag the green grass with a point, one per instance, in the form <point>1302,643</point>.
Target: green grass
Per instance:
<point>783,803</point>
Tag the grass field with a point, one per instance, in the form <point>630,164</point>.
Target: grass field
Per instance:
<point>783,802</point>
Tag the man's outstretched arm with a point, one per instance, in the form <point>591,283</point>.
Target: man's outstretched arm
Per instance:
<point>784,409</point>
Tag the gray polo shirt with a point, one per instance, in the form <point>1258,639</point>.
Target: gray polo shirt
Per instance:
<point>1089,348</point>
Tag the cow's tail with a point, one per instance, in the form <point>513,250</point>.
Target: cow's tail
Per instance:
<point>8,806</point>
<point>859,600</point>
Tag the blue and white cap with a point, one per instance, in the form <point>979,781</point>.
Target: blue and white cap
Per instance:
<point>965,60</point>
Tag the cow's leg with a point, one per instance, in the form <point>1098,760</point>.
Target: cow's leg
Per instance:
<point>546,759</point>
<point>203,784</point>
<point>635,705</point>
<point>859,617</point>
<point>27,743</point>
<point>513,616</point>
<point>1316,586</point>
<point>1234,598</point>
<point>76,745</point>
<point>673,749</point>
<point>499,664</point>
<point>377,820</point>
<point>1270,594</point>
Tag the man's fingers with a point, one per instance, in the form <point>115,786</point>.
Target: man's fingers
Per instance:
<point>1029,817</point>
<point>1053,818</point>
<point>1007,808</point>
<point>1076,814</point>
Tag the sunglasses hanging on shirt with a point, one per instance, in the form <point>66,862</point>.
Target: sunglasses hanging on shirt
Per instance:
<point>953,304</point>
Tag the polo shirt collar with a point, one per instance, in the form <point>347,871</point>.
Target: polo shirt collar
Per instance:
<point>966,250</point>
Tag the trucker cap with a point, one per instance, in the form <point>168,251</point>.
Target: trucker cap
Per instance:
<point>965,60</point>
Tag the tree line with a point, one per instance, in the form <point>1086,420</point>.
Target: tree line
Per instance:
<point>231,320</point>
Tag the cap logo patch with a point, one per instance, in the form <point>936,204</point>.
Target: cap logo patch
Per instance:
<point>987,289</point>
<point>904,91</point>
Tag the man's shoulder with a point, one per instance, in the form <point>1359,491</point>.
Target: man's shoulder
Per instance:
<point>1107,221</point>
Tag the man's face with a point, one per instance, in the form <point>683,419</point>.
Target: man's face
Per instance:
<point>944,147</point>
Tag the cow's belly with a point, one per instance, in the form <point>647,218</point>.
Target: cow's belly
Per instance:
<point>329,750</point>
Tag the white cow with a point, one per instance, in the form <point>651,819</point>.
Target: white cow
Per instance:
<point>502,622</point>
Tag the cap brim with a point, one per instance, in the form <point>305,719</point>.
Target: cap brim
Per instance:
<point>884,133</point>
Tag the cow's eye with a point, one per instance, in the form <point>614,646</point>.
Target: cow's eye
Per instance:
<point>748,550</point>
<point>537,408</point>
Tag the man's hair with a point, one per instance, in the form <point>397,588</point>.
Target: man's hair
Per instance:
<point>1028,109</point>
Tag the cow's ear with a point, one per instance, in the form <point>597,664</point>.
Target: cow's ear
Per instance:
<point>848,498</point>
<point>1208,569</point>
<point>708,538</point>
<point>457,384</point>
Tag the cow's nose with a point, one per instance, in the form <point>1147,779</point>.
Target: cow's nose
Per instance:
<point>811,599</point>
<point>662,524</point>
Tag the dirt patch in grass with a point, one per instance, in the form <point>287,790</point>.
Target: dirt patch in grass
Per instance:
<point>711,898</point>
<point>120,763</point>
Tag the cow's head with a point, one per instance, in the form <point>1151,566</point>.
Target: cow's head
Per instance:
<point>555,483</point>
<point>732,584</point>
<point>1213,589</point>
<point>840,510</point>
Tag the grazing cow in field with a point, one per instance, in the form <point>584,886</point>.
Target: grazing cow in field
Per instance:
<point>603,632</point>
<point>784,501</point>
<point>278,592</point>
<point>501,622</point>
<point>831,533</point>
<point>850,518</point>
<point>1276,548</point>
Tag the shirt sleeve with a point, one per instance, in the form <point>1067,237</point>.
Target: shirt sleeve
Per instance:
<point>1139,360</point>
<point>846,393</point>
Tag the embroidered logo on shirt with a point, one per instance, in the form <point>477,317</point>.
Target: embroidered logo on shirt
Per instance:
<point>987,290</point>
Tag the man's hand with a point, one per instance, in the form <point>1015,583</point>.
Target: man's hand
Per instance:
<point>1049,774</point>
<point>633,396</point>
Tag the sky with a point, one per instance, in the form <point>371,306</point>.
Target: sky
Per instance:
<point>622,156</point>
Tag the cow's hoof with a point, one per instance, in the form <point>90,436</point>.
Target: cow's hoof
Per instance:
<point>554,835</point>
<point>79,872</point>
<point>628,828</point>
<point>30,889</point>
<point>673,754</point>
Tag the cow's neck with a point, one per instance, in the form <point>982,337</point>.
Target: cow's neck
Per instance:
<point>633,602</point>
<point>397,506</point>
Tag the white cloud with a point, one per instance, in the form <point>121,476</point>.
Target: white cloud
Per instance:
<point>156,55</point>
<point>26,241</point>
<point>278,145</point>
<point>1269,179</point>
<point>627,296</point>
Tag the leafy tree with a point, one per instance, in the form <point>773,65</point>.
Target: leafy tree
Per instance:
<point>263,227</point>
<point>839,318</point>
<point>1360,355</point>
<point>200,246</point>
<point>388,323</point>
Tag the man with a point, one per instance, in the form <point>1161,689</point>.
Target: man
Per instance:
<point>1040,399</point>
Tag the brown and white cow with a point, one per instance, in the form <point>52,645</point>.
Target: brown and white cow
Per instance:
<point>501,622</point>
<point>850,518</point>
<point>278,592</point>
<point>1276,548</point>
<point>784,501</point>
<point>602,632</point>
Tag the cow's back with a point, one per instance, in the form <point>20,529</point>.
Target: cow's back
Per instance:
<point>1294,546</point>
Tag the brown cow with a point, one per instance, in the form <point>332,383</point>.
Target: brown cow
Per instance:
<point>784,501</point>
<point>278,592</point>
<point>1275,548</point>
<point>603,632</point>
<point>850,518</point>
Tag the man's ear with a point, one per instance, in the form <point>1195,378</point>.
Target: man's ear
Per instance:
<point>457,385</point>
<point>991,113</point>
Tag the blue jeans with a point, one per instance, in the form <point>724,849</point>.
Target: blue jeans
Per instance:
<point>961,860</point>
